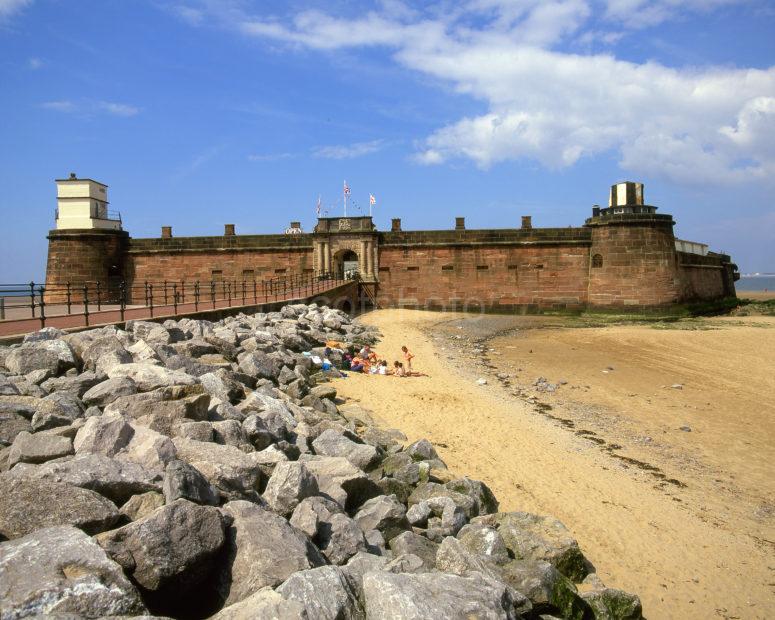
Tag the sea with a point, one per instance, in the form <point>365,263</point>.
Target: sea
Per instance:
<point>756,283</point>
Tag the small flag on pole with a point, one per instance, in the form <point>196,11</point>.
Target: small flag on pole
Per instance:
<point>372,200</point>
<point>346,189</point>
<point>318,206</point>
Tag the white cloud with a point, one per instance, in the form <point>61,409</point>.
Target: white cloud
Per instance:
<point>8,8</point>
<point>636,14</point>
<point>348,151</point>
<point>270,156</point>
<point>91,107</point>
<point>35,63</point>
<point>709,125</point>
<point>117,109</point>
<point>59,106</point>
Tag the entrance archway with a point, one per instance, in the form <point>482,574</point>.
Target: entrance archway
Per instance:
<point>346,263</point>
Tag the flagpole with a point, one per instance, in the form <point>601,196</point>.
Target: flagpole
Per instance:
<point>344,193</point>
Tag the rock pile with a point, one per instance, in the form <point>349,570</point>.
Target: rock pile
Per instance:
<point>194,469</point>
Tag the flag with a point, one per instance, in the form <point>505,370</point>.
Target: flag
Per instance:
<point>372,200</point>
<point>318,206</point>
<point>346,189</point>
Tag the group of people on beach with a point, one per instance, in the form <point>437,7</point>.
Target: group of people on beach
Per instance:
<point>368,362</point>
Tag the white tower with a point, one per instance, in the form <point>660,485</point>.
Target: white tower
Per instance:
<point>83,204</point>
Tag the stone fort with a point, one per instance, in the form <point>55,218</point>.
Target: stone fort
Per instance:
<point>625,256</point>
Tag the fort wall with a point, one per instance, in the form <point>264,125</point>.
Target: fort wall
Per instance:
<point>237,257</point>
<point>495,269</point>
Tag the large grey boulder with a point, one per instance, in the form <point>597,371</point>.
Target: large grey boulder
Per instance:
<point>447,521</point>
<point>107,434</point>
<point>45,333</point>
<point>262,549</point>
<point>57,409</point>
<point>113,479</point>
<point>290,483</point>
<point>612,604</point>
<point>103,346</point>
<point>431,596</point>
<point>410,543</point>
<point>160,413</point>
<point>148,448</point>
<point>219,385</point>
<point>11,424</point>
<point>478,491</point>
<point>336,535</point>
<point>149,377</point>
<point>182,481</point>
<point>384,513</point>
<point>259,364</point>
<point>427,490</point>
<point>61,570</point>
<point>325,592</point>
<point>484,540</point>
<point>171,551</point>
<point>421,450</point>
<point>140,506</point>
<point>29,359</point>
<point>264,604</point>
<point>536,537</point>
<point>340,480</point>
<point>28,505</point>
<point>548,590</point>
<point>233,472</point>
<point>76,385</point>
<point>453,557</point>
<point>105,392</point>
<point>38,448</point>
<point>331,443</point>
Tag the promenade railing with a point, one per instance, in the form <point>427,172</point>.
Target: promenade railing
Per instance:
<point>146,299</point>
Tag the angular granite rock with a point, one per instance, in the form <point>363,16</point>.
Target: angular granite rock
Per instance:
<point>262,550</point>
<point>170,550</point>
<point>62,570</point>
<point>38,448</point>
<point>28,505</point>
<point>291,482</point>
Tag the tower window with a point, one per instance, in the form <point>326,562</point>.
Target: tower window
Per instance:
<point>597,261</point>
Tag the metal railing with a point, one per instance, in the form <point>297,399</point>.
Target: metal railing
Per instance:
<point>156,298</point>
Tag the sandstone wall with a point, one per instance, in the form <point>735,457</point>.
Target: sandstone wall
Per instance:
<point>634,264</point>
<point>80,257</point>
<point>705,278</point>
<point>243,257</point>
<point>531,275</point>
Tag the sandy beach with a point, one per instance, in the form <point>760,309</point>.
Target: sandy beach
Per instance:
<point>655,446</point>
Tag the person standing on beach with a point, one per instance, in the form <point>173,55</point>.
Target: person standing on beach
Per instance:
<point>408,357</point>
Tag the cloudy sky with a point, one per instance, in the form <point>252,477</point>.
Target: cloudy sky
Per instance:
<point>198,113</point>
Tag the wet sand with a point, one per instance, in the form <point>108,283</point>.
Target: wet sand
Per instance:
<point>685,518</point>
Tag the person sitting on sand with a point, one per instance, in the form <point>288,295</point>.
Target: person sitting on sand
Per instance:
<point>398,369</point>
<point>383,367</point>
<point>356,365</point>
<point>408,357</point>
<point>365,351</point>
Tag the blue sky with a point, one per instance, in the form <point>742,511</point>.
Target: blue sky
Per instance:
<point>198,113</point>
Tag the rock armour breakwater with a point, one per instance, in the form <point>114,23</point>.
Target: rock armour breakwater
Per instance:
<point>193,469</point>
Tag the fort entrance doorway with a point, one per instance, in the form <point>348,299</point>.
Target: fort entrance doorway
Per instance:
<point>346,263</point>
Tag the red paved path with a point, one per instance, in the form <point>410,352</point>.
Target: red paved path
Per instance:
<point>14,327</point>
